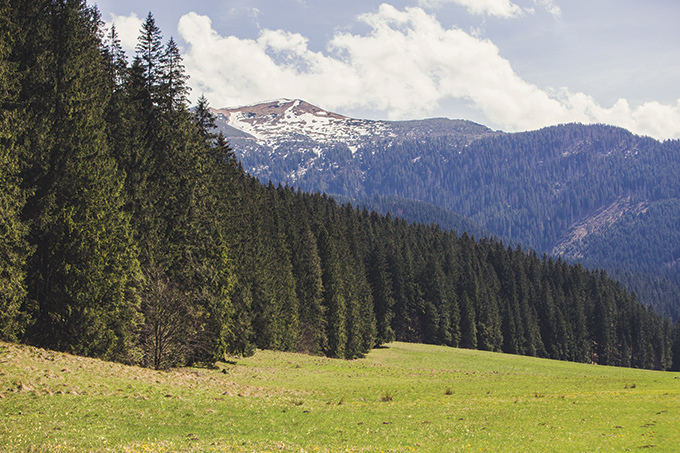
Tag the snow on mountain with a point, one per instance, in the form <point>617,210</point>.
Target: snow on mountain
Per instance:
<point>285,120</point>
<point>285,139</point>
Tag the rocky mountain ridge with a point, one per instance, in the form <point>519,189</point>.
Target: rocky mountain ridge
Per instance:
<point>287,127</point>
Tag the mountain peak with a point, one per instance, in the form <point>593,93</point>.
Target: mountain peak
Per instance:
<point>279,108</point>
<point>276,121</point>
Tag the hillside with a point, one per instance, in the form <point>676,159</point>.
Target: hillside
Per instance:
<point>415,211</point>
<point>400,398</point>
<point>595,194</point>
<point>136,236</point>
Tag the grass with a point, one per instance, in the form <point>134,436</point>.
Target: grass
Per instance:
<point>402,398</point>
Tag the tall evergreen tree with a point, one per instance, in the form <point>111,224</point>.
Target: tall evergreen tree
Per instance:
<point>408,297</point>
<point>204,119</point>
<point>435,316</point>
<point>361,324</point>
<point>13,245</point>
<point>173,87</point>
<point>309,287</point>
<point>150,52</point>
<point>381,285</point>
<point>468,323</point>
<point>675,358</point>
<point>84,270</point>
<point>117,59</point>
<point>335,302</point>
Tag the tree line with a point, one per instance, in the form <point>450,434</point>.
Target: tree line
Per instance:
<point>131,233</point>
<point>533,188</point>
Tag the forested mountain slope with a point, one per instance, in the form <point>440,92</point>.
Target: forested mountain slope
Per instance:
<point>131,233</point>
<point>594,194</point>
<point>415,211</point>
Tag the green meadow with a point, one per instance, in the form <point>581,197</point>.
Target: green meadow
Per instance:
<point>401,398</point>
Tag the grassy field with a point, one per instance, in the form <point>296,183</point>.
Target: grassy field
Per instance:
<point>402,398</point>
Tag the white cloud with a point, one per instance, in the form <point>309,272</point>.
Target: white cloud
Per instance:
<point>128,28</point>
<point>406,67</point>
<point>550,6</point>
<point>251,13</point>
<point>499,8</point>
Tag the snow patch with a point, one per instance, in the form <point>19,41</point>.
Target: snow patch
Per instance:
<point>285,120</point>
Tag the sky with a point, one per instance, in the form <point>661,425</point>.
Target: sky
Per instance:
<point>512,65</point>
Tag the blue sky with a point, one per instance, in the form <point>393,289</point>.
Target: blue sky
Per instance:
<point>509,64</point>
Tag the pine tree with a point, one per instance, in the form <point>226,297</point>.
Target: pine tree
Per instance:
<point>244,244</point>
<point>334,296</point>
<point>451,275</point>
<point>309,288</point>
<point>178,186</point>
<point>205,120</point>
<point>408,296</point>
<point>173,87</point>
<point>435,318</point>
<point>360,324</point>
<point>468,323</point>
<point>13,245</point>
<point>117,59</point>
<point>381,285</point>
<point>84,271</point>
<point>675,349</point>
<point>288,317</point>
<point>603,324</point>
<point>218,276</point>
<point>150,52</point>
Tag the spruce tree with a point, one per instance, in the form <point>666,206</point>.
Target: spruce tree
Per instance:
<point>309,288</point>
<point>204,119</point>
<point>381,285</point>
<point>173,87</point>
<point>468,323</point>
<point>13,245</point>
<point>117,59</point>
<point>361,324</point>
<point>334,293</point>
<point>675,348</point>
<point>150,52</point>
<point>84,270</point>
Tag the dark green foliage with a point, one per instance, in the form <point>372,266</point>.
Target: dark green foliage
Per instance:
<point>13,244</point>
<point>309,287</point>
<point>177,197</point>
<point>84,269</point>
<point>675,359</point>
<point>381,285</point>
<point>543,189</point>
<point>335,301</point>
<point>150,53</point>
<point>204,119</point>
<point>415,211</point>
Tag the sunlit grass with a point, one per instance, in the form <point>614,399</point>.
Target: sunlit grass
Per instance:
<point>401,398</point>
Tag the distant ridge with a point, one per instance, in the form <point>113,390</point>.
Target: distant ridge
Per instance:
<point>273,124</point>
<point>596,194</point>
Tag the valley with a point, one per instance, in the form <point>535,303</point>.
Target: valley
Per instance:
<point>400,398</point>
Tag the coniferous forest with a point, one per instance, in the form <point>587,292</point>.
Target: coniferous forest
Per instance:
<point>130,232</point>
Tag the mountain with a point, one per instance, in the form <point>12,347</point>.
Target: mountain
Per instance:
<point>595,194</point>
<point>415,211</point>
<point>284,140</point>
<point>276,123</point>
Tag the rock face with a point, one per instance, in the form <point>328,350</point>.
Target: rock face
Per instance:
<point>596,223</point>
